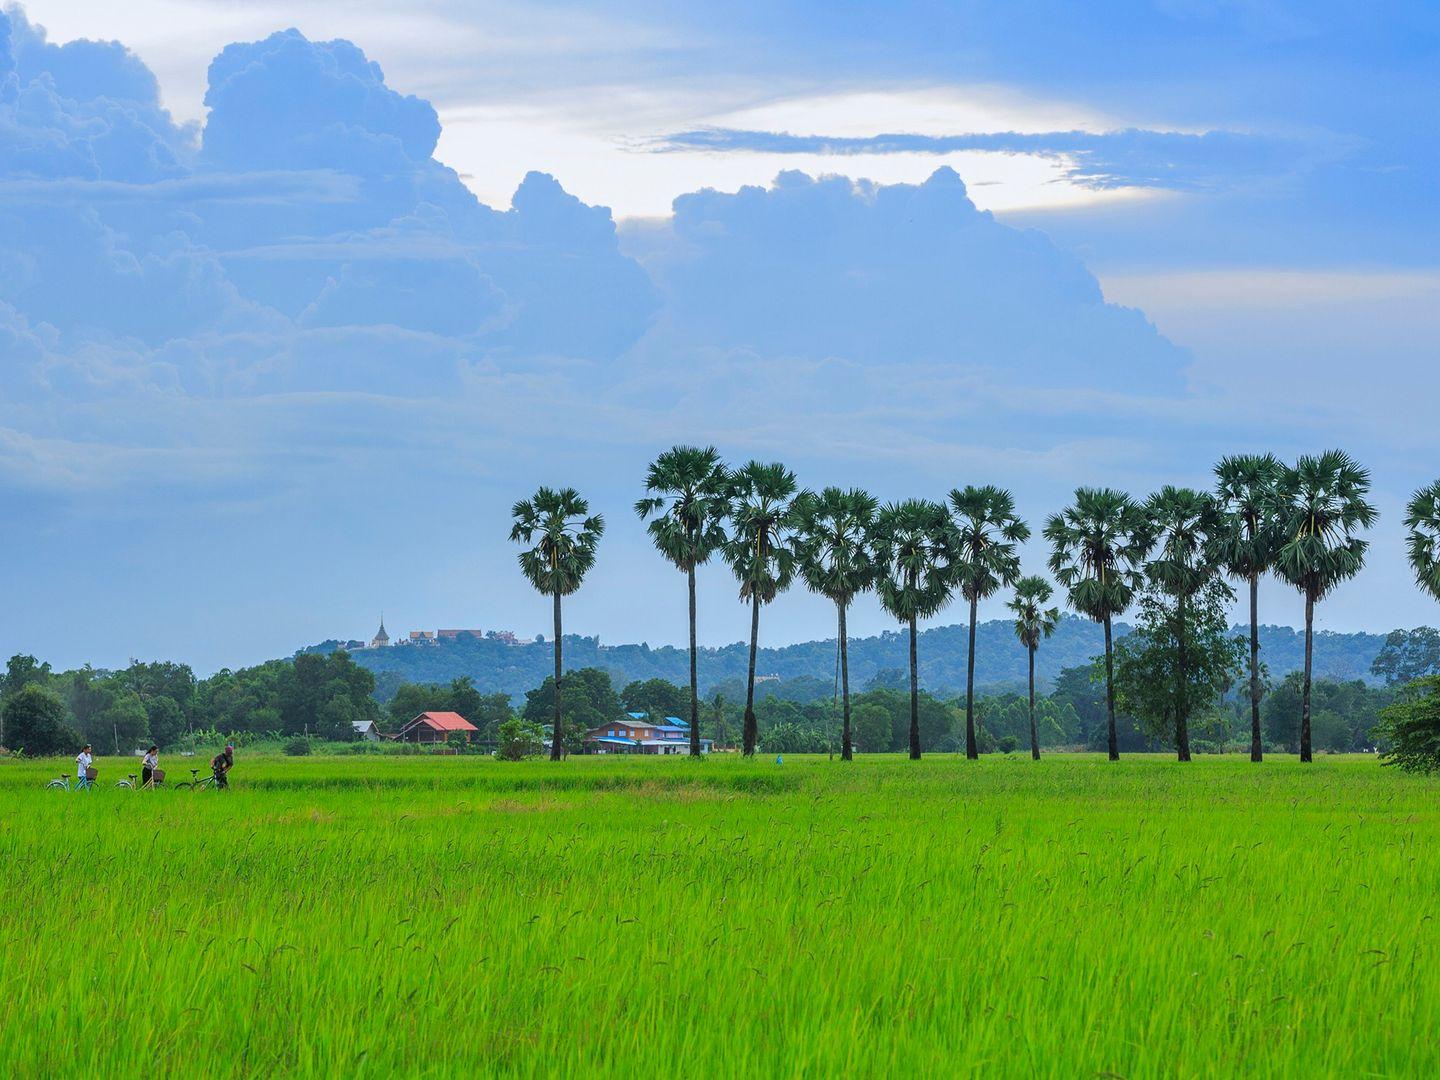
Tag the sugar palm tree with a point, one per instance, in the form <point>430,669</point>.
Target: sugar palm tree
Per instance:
<point>1034,622</point>
<point>1322,507</point>
<point>1250,538</point>
<point>1187,526</point>
<point>835,556</point>
<point>913,577</point>
<point>1422,519</point>
<point>984,532</point>
<point>758,551</point>
<point>687,499</point>
<point>1098,546</point>
<point>562,536</point>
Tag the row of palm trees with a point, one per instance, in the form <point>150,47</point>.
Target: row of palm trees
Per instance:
<point>1300,522</point>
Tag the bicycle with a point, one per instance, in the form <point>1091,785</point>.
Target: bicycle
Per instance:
<point>127,784</point>
<point>64,784</point>
<point>196,782</point>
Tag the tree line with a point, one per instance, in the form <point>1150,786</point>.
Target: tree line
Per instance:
<point>1173,553</point>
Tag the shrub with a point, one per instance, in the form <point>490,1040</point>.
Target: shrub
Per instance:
<point>298,747</point>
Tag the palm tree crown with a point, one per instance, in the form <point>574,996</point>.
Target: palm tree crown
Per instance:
<point>1187,526</point>
<point>1245,487</point>
<point>911,559</point>
<point>686,502</point>
<point>758,548</point>
<point>1098,546</point>
<point>1422,519</point>
<point>833,542</point>
<point>1322,504</point>
<point>984,533</point>
<point>563,535</point>
<point>1033,621</point>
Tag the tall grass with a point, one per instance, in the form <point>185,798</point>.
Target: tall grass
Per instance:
<point>463,916</point>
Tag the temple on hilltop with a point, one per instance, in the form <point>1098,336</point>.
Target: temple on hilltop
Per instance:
<point>381,638</point>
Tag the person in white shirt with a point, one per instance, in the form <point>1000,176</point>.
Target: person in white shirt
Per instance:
<point>82,766</point>
<point>148,764</point>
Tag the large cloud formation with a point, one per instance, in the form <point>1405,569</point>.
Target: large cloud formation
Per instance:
<point>295,311</point>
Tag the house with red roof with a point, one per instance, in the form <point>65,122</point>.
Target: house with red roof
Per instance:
<point>435,727</point>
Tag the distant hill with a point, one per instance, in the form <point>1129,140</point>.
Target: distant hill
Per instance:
<point>999,662</point>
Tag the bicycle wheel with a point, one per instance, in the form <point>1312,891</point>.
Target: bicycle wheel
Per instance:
<point>56,785</point>
<point>124,784</point>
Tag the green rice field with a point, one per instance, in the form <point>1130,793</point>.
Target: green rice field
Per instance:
<point>378,916</point>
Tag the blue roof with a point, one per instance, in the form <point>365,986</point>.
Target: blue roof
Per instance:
<point>637,716</point>
<point>676,720</point>
<point>614,739</point>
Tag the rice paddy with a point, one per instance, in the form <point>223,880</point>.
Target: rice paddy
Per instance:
<point>462,916</point>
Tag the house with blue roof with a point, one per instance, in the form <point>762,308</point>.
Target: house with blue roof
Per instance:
<point>637,733</point>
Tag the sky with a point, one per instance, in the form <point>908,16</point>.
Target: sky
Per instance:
<point>296,299</point>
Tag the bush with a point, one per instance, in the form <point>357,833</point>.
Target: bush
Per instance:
<point>520,739</point>
<point>1411,727</point>
<point>1008,744</point>
<point>35,722</point>
<point>298,747</point>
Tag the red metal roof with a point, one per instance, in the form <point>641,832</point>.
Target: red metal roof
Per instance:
<point>443,721</point>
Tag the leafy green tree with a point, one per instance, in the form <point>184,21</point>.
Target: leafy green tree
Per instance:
<point>1246,486</point>
<point>562,536</point>
<point>35,721</point>
<point>124,721</point>
<point>1411,727</point>
<point>167,720</point>
<point>1422,524</point>
<point>21,670</point>
<point>1280,712</point>
<point>1034,622</point>
<point>1407,655</point>
<point>589,702</point>
<point>687,502</point>
<point>656,698</point>
<point>519,739</point>
<point>1150,682</point>
<point>1187,527</point>
<point>874,727</point>
<point>717,719</point>
<point>834,550</point>
<point>1322,507</point>
<point>913,578</point>
<point>758,552</point>
<point>985,530</point>
<point>1098,546</point>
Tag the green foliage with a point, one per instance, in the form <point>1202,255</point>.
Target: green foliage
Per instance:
<point>1250,535</point>
<point>656,698</point>
<point>519,739</point>
<point>35,721</point>
<point>1148,685</point>
<point>1407,655</point>
<point>1098,546</point>
<point>587,701</point>
<point>1422,524</point>
<point>1351,712</point>
<point>1411,727</point>
<point>562,536</point>
<point>298,747</point>
<point>1323,505</point>
<point>686,502</point>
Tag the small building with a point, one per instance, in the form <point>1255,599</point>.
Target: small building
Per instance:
<point>435,727</point>
<point>422,637</point>
<point>637,734</point>
<point>366,729</point>
<point>456,635</point>
<point>381,638</point>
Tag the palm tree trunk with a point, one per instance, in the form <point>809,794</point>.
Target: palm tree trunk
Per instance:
<point>971,750</point>
<point>1114,741</point>
<point>1257,751</point>
<point>1034,735</point>
<point>1182,726</point>
<point>694,682</point>
<point>846,748</point>
<point>555,736</point>
<point>750,732</point>
<point>1305,700</point>
<point>914,696</point>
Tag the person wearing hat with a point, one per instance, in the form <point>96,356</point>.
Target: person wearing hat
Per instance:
<point>221,764</point>
<point>82,766</point>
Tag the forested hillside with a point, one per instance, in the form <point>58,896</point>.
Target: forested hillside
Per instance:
<point>1000,661</point>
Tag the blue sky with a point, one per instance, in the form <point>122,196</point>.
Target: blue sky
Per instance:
<point>295,300</point>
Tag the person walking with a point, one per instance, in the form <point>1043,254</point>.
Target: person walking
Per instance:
<point>148,764</point>
<point>82,767</point>
<point>221,764</point>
